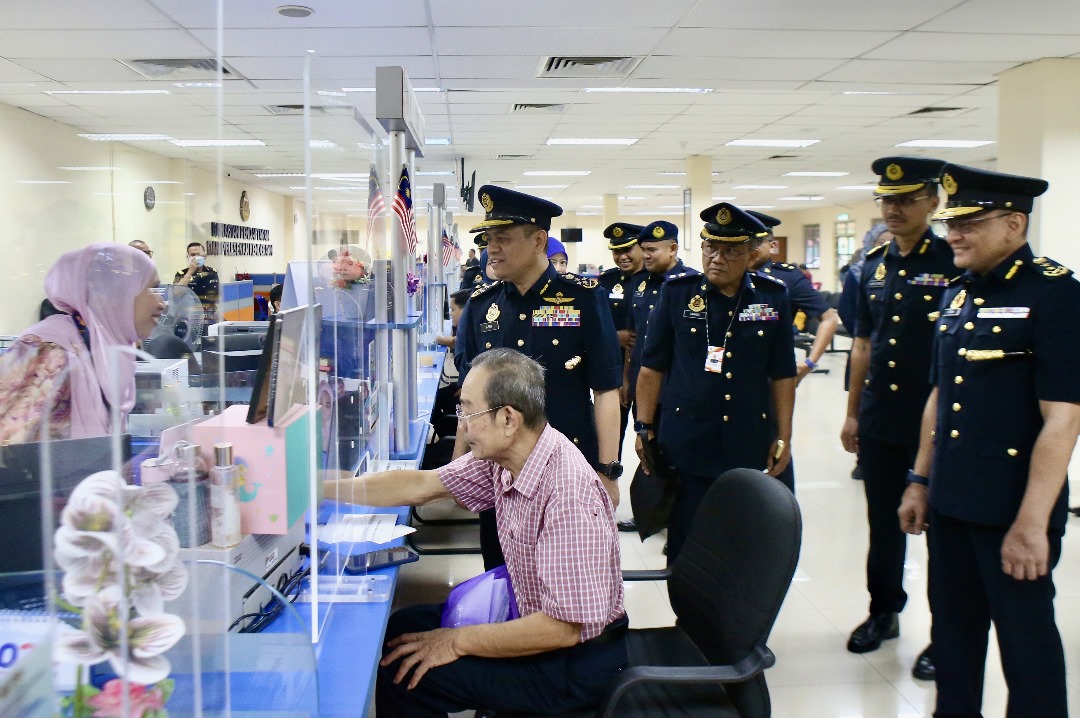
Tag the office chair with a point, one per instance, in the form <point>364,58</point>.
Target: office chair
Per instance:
<point>726,588</point>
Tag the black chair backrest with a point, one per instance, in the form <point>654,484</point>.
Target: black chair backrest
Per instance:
<point>730,579</point>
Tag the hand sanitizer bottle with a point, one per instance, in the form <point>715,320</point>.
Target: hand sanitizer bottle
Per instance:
<point>224,503</point>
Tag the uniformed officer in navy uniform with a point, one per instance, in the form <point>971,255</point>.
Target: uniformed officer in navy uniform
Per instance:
<point>717,344</point>
<point>998,433</point>
<point>560,320</point>
<point>625,252</point>
<point>902,281</point>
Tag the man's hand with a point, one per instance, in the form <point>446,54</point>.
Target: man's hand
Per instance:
<point>849,435</point>
<point>624,394</point>
<point>1025,553</point>
<point>912,511</point>
<point>627,337</point>
<point>612,488</point>
<point>422,651</point>
<point>639,447</point>
<point>779,457</point>
<point>193,265</point>
<point>801,371</point>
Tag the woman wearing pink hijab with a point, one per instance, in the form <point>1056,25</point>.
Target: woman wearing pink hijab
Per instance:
<point>63,375</point>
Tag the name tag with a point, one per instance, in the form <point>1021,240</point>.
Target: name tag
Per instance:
<point>489,327</point>
<point>1004,313</point>
<point>553,316</point>
<point>759,313</point>
<point>951,312</point>
<point>617,297</point>
<point>688,314</point>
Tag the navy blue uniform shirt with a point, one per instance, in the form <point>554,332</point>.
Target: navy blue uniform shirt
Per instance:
<point>616,284</point>
<point>801,292</point>
<point>896,295</point>
<point>711,422</point>
<point>563,322</point>
<point>646,293</point>
<point>1005,341</point>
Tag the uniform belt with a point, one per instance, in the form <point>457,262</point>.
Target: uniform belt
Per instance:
<point>612,632</point>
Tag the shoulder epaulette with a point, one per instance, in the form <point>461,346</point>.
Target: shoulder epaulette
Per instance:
<point>878,248</point>
<point>684,276</point>
<point>785,265</point>
<point>771,278</point>
<point>484,289</point>
<point>1049,268</point>
<point>613,270</point>
<point>579,280</point>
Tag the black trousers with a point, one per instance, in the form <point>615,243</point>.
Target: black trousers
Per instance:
<point>688,498</point>
<point>552,683</point>
<point>968,590</point>
<point>884,468</point>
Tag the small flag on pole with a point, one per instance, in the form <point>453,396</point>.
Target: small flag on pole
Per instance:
<point>403,210</point>
<point>376,205</point>
<point>447,249</point>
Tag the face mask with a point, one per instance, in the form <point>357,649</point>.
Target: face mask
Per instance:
<point>200,260</point>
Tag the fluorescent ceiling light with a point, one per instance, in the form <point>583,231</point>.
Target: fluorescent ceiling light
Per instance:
<point>266,175</point>
<point>124,137</point>
<point>673,90</point>
<point>325,189</point>
<point>592,206</point>
<point>198,85</point>
<point>218,143</point>
<point>542,186</point>
<point>858,186</point>
<point>342,176</point>
<point>372,89</point>
<point>557,173</point>
<point>86,169</point>
<point>323,145</point>
<point>156,182</point>
<point>669,206</point>
<point>939,144</point>
<point>43,182</point>
<point>653,214</point>
<point>771,143</point>
<point>760,186</point>
<point>591,141</point>
<point>870,93</point>
<point>329,93</point>
<point>755,206</point>
<point>631,199</point>
<point>681,174</point>
<point>652,186</point>
<point>437,141</point>
<point>106,92</point>
<point>816,174</point>
<point>588,214</point>
<point>802,198</point>
<point>723,199</point>
<point>440,173</point>
<point>425,186</point>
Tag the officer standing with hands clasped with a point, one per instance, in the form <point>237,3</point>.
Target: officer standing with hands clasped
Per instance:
<point>902,281</point>
<point>560,320</point>
<point>719,345</point>
<point>997,435</point>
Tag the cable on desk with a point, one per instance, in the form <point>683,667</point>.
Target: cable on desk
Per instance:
<point>274,607</point>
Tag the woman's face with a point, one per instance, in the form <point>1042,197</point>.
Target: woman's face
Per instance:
<point>559,261</point>
<point>148,308</point>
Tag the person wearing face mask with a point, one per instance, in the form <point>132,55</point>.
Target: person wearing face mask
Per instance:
<point>718,349</point>
<point>200,278</point>
<point>63,376</point>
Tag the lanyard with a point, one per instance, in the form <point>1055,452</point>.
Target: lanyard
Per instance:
<point>734,313</point>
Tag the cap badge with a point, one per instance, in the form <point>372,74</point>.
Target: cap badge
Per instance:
<point>949,184</point>
<point>958,300</point>
<point>617,232</point>
<point>697,303</point>
<point>723,216</point>
<point>894,172</point>
<point>658,232</point>
<point>485,201</point>
<point>879,273</point>
<point>617,289</point>
<point>493,313</point>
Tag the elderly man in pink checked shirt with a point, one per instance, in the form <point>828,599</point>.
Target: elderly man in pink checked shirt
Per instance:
<point>557,528</point>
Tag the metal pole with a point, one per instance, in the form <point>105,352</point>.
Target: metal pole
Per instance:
<point>381,267</point>
<point>400,262</point>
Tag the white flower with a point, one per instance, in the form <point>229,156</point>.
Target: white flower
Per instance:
<point>148,637</point>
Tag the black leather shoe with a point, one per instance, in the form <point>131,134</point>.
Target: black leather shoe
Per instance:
<point>924,665</point>
<point>628,525</point>
<point>869,635</point>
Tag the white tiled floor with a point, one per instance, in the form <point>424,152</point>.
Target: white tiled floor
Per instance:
<point>814,676</point>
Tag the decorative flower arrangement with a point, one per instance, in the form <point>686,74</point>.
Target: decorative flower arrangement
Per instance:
<point>412,283</point>
<point>120,558</point>
<point>348,271</point>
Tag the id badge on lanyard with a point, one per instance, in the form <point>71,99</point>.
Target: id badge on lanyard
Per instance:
<point>714,360</point>
<point>714,355</point>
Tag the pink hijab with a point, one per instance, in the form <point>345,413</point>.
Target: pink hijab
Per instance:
<point>100,282</point>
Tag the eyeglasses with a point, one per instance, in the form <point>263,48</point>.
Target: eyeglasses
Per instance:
<point>967,226</point>
<point>709,251</point>
<point>464,418</point>
<point>147,252</point>
<point>903,202</point>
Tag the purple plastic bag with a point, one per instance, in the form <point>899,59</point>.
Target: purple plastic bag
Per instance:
<point>487,598</point>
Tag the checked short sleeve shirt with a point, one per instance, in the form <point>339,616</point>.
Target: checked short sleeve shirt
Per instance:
<point>556,527</point>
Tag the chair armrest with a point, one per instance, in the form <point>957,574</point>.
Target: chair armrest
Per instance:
<point>660,574</point>
<point>755,663</point>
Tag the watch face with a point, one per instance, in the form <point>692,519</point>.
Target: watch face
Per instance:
<point>149,199</point>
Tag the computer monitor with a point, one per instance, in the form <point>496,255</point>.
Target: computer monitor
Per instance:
<point>281,377</point>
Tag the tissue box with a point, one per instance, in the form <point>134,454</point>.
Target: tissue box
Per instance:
<point>273,465</point>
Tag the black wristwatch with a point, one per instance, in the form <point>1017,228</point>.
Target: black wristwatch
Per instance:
<point>611,470</point>
<point>640,426</point>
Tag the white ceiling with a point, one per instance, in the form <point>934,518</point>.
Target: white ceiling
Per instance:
<point>776,68</point>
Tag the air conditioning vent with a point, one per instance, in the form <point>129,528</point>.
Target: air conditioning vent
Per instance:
<point>588,67</point>
<point>200,69</point>
<point>315,109</point>
<point>533,108</point>
<point>786,157</point>
<point>514,157</point>
<point>940,111</point>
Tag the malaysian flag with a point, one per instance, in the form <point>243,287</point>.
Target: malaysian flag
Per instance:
<point>403,210</point>
<point>447,249</point>
<point>376,206</point>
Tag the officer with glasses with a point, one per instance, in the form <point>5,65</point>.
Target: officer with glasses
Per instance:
<point>719,346</point>
<point>997,435</point>
<point>901,283</point>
